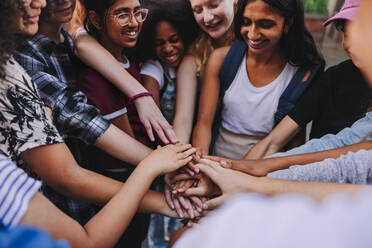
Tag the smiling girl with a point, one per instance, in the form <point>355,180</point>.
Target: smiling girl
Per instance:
<point>116,25</point>
<point>273,46</point>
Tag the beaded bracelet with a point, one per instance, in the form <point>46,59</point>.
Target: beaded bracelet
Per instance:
<point>133,98</point>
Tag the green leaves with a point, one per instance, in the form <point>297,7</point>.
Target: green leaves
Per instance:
<point>316,6</point>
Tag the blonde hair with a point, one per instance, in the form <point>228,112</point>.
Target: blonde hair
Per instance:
<point>204,45</point>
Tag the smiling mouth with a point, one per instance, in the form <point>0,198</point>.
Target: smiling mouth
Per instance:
<point>171,58</point>
<point>213,25</point>
<point>256,44</point>
<point>131,34</point>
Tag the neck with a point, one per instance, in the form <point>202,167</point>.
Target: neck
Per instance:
<point>225,39</point>
<point>268,57</point>
<point>114,49</point>
<point>52,31</point>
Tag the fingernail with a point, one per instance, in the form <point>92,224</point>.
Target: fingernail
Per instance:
<point>205,206</point>
<point>196,170</point>
<point>223,163</point>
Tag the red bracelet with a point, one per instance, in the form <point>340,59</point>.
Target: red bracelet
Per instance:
<point>133,98</point>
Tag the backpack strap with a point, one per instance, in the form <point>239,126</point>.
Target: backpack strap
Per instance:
<point>299,83</point>
<point>231,65</point>
<point>226,75</point>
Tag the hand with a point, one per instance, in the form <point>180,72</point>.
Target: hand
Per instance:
<point>203,187</point>
<point>252,167</point>
<point>229,181</point>
<point>168,158</point>
<point>191,207</point>
<point>152,118</point>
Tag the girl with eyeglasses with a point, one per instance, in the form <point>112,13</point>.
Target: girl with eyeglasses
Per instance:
<point>116,25</point>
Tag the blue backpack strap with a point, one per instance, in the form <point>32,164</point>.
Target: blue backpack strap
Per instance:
<point>231,65</point>
<point>226,75</point>
<point>300,81</point>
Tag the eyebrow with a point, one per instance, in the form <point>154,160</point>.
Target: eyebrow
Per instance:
<point>126,9</point>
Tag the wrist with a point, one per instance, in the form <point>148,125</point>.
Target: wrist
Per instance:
<point>135,97</point>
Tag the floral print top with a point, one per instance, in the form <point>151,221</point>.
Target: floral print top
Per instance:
<point>24,120</point>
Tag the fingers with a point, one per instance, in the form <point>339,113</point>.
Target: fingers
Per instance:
<point>147,125</point>
<point>214,203</point>
<point>198,203</point>
<point>192,166</point>
<point>180,177</point>
<point>159,132</point>
<point>196,191</point>
<point>168,197</point>
<point>178,208</point>
<point>213,158</point>
<point>169,132</point>
<point>185,186</point>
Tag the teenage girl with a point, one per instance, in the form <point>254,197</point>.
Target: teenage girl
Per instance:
<point>275,45</point>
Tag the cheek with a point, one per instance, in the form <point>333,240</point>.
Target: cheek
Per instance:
<point>158,51</point>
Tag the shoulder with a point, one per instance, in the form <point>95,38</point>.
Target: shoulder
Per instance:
<point>151,66</point>
<point>220,53</point>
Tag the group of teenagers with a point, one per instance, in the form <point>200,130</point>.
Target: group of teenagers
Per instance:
<point>99,100</point>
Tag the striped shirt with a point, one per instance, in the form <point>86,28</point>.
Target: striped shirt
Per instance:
<point>16,189</point>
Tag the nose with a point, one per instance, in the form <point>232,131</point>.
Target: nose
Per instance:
<point>208,16</point>
<point>38,4</point>
<point>167,48</point>
<point>133,22</point>
<point>253,33</point>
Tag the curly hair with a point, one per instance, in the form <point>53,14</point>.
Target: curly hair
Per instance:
<point>8,37</point>
<point>178,13</point>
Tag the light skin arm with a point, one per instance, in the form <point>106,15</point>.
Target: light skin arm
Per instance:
<point>208,101</point>
<point>277,138</point>
<point>122,146</point>
<point>107,65</point>
<point>104,229</point>
<point>186,97</point>
<point>264,166</point>
<point>233,182</point>
<point>152,85</point>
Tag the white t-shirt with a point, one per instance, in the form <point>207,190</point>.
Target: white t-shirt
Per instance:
<point>154,69</point>
<point>250,110</point>
<point>289,220</point>
<point>16,190</point>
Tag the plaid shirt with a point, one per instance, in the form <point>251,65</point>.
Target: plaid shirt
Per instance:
<point>53,68</point>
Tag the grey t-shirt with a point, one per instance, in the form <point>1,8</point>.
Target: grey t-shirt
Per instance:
<point>354,167</point>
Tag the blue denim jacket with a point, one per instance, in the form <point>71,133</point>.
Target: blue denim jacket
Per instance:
<point>347,136</point>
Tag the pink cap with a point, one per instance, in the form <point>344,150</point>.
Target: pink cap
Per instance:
<point>348,12</point>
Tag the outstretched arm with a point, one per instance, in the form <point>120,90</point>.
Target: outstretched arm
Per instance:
<point>187,85</point>
<point>277,138</point>
<point>107,65</point>
<point>208,100</point>
<point>104,229</point>
<point>264,166</point>
<point>233,182</point>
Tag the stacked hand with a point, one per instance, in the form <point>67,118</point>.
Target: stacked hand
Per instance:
<point>211,181</point>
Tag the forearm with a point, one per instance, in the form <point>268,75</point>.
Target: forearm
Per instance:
<point>279,163</point>
<point>122,146</point>
<point>183,128</point>
<point>261,149</point>
<point>316,190</point>
<point>202,137</point>
<point>116,215</point>
<point>102,61</point>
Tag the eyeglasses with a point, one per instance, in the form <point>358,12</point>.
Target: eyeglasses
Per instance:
<point>125,18</point>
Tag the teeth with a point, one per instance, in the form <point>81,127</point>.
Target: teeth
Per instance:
<point>131,33</point>
<point>255,42</point>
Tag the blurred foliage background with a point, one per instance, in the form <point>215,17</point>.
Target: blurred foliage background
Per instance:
<point>316,6</point>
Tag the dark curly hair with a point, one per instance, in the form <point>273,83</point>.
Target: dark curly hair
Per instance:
<point>298,44</point>
<point>8,37</point>
<point>176,12</point>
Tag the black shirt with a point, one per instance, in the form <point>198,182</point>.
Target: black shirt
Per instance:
<point>335,100</point>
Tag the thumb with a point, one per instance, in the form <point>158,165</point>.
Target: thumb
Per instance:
<point>214,203</point>
<point>197,191</point>
<point>208,170</point>
<point>226,164</point>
